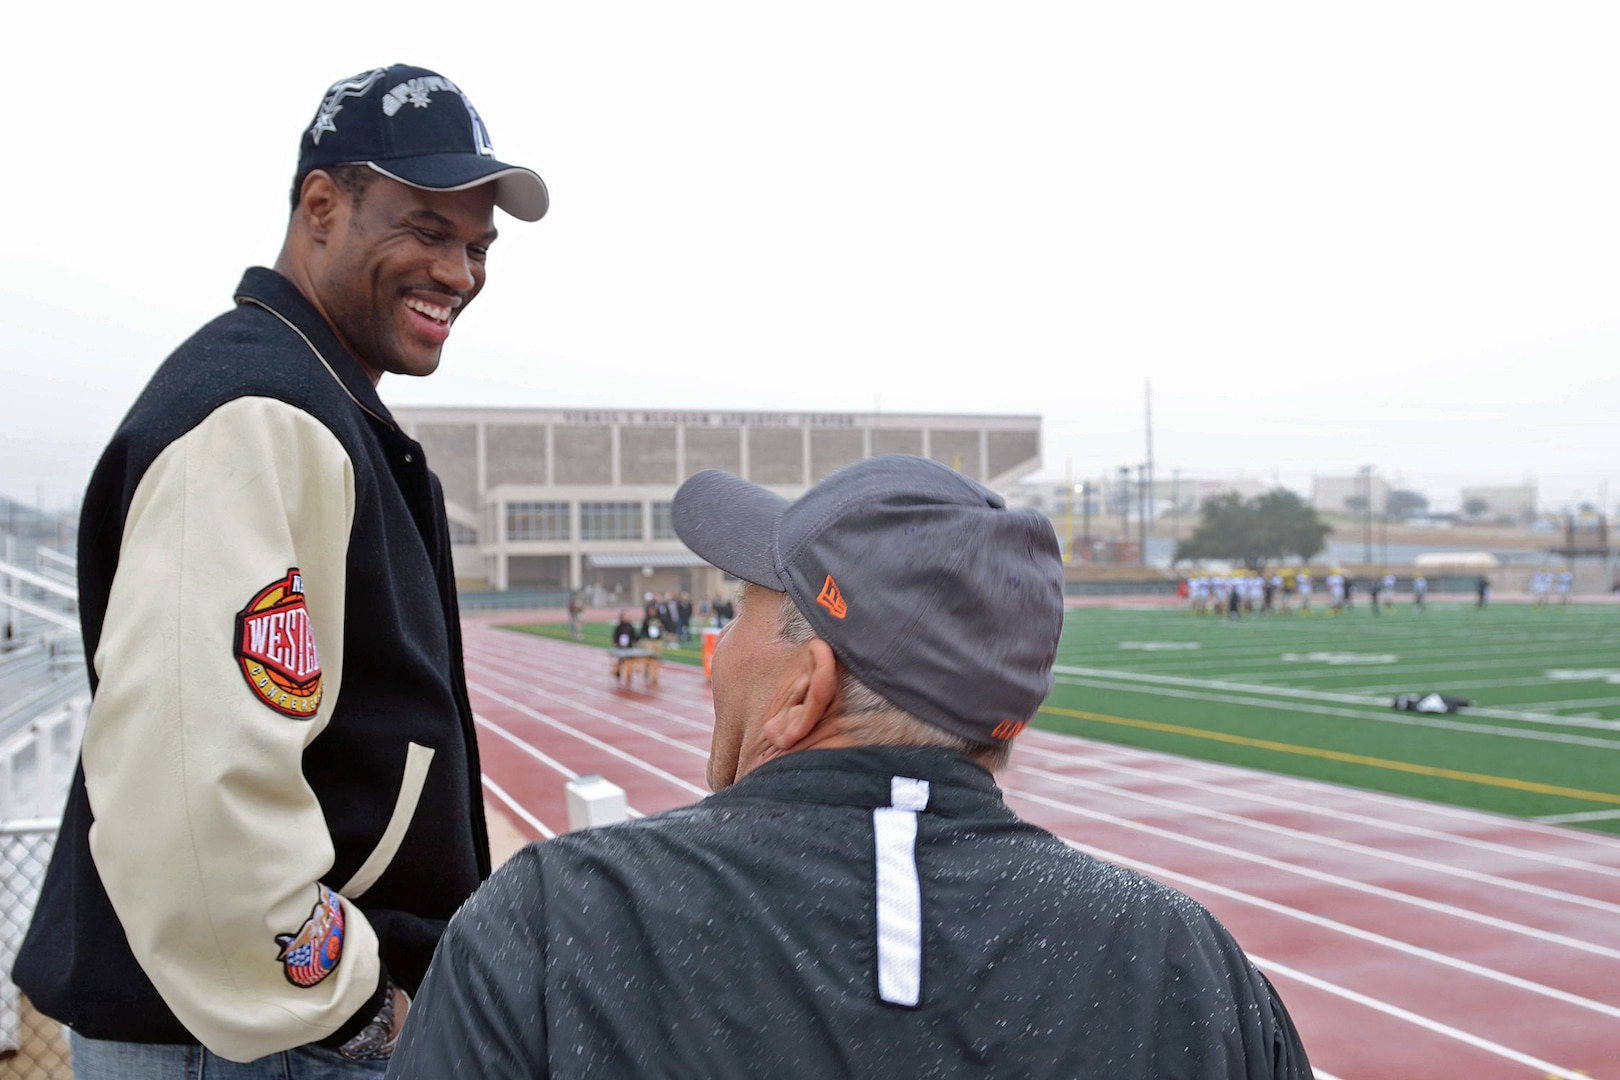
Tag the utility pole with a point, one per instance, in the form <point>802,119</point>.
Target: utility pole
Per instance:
<point>1068,518</point>
<point>1366,514</point>
<point>1148,466</point>
<point>1142,504</point>
<point>1175,504</point>
<point>1087,490</point>
<point>1124,503</point>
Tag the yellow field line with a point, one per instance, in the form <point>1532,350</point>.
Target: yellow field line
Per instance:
<point>1338,755</point>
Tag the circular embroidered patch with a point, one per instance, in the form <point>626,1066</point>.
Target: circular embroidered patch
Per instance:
<point>275,648</point>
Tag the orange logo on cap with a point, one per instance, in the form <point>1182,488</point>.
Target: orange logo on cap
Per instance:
<point>832,598</point>
<point>1008,728</point>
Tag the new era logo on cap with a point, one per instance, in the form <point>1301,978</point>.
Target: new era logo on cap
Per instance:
<point>832,599</point>
<point>417,127</point>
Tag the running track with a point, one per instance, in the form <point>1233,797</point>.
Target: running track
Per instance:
<point>1410,940</point>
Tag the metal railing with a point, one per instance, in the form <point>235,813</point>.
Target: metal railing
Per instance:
<point>36,766</point>
<point>44,700</point>
<point>39,595</point>
<point>32,1047</point>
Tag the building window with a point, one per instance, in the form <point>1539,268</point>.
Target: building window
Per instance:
<point>461,534</point>
<point>537,521</point>
<point>662,527</point>
<point>610,521</point>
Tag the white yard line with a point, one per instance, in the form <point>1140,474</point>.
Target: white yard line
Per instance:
<point>1383,714</point>
<point>1298,693</point>
<point>1571,819</point>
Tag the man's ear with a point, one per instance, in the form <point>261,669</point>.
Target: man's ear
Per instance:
<point>809,696</point>
<point>320,203</point>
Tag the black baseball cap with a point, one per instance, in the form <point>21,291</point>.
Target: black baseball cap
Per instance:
<point>923,582</point>
<point>415,126</point>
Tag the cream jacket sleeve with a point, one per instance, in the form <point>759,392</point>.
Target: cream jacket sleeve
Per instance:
<point>214,674</point>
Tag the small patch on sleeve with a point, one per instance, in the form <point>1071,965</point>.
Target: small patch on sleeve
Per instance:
<point>313,952</point>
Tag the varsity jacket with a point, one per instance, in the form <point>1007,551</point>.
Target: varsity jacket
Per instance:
<point>277,801</point>
<point>874,912</point>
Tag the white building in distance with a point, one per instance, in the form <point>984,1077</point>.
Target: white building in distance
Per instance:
<point>562,499</point>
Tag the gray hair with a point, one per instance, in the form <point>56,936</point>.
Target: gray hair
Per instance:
<point>875,719</point>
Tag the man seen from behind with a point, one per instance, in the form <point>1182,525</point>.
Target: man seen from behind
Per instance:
<point>855,900</point>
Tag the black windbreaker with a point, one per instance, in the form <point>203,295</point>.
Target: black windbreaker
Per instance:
<point>739,937</point>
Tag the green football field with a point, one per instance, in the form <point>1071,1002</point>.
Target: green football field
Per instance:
<point>1312,696</point>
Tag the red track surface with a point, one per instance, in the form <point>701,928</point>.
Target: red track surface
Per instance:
<point>1410,940</point>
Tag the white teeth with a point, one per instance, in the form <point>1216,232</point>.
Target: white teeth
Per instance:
<point>439,314</point>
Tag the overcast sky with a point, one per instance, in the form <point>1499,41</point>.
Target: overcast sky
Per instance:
<point>1330,235</point>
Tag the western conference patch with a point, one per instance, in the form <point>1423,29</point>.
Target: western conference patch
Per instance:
<point>275,648</point>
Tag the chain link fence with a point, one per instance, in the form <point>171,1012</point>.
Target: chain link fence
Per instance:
<point>32,1047</point>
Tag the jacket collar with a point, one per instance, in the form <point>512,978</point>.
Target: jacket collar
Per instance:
<point>269,290</point>
<point>860,777</point>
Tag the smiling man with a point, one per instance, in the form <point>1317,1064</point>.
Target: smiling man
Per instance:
<point>279,804</point>
<point>856,899</point>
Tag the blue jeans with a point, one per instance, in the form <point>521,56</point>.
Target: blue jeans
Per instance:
<point>101,1059</point>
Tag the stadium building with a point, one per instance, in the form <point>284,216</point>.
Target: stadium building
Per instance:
<point>562,499</point>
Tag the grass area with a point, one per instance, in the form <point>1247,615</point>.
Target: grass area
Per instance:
<point>1312,696</point>
<point>601,636</point>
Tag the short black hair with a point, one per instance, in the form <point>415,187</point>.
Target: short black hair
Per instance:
<point>353,179</point>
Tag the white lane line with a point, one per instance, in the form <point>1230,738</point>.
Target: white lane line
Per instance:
<point>659,706</point>
<point>1165,874</point>
<point>1153,768</point>
<point>528,687</point>
<point>605,747</point>
<point>513,805</point>
<point>1599,842</point>
<point>558,672</point>
<point>539,755</point>
<point>528,748</point>
<point>1336,880</point>
<point>1546,1068</point>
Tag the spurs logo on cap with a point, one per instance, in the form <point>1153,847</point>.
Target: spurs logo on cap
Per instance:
<point>415,92</point>
<point>480,132</point>
<point>348,88</point>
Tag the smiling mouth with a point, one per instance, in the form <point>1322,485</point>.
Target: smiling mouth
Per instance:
<point>432,311</point>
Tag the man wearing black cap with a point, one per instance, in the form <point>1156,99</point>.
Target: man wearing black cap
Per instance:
<point>855,900</point>
<point>278,806</point>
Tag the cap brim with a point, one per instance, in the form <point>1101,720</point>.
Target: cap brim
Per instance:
<point>732,524</point>
<point>518,191</point>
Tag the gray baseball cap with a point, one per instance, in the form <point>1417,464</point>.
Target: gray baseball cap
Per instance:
<point>924,583</point>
